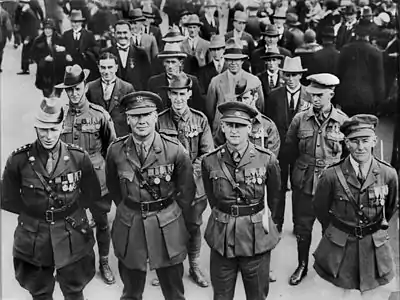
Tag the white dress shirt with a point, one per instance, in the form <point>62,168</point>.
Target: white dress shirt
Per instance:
<point>107,89</point>
<point>274,77</point>
<point>364,167</point>
<point>210,20</point>
<point>123,54</point>
<point>296,95</point>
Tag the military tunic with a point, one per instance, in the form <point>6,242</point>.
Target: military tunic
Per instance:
<point>341,258</point>
<point>160,236</point>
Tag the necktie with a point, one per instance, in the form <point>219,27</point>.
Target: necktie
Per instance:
<point>291,103</point>
<point>136,40</point>
<point>107,91</point>
<point>142,153</point>
<point>49,163</point>
<point>271,81</point>
<point>236,157</point>
<point>360,176</point>
<point>192,45</point>
<point>122,49</point>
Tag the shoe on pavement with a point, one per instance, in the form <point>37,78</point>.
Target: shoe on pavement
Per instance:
<point>299,273</point>
<point>23,72</point>
<point>105,271</point>
<point>272,276</point>
<point>198,277</point>
<point>155,282</point>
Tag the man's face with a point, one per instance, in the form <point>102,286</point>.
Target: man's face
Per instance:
<point>239,25</point>
<point>271,40</point>
<point>216,53</point>
<point>322,100</point>
<point>350,18</point>
<point>292,79</point>
<point>273,64</point>
<point>123,34</point>
<point>108,69</point>
<point>76,93</point>
<point>193,31</point>
<point>250,98</point>
<point>235,134</point>
<point>210,10</point>
<point>172,66</point>
<point>136,27</point>
<point>48,137</point>
<point>179,99</point>
<point>234,65</point>
<point>148,21</point>
<point>360,148</point>
<point>142,125</point>
<point>76,25</point>
<point>184,18</point>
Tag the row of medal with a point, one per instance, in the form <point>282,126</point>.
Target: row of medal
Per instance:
<point>379,195</point>
<point>254,175</point>
<point>162,172</point>
<point>69,181</point>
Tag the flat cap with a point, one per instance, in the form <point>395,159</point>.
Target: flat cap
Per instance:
<point>237,112</point>
<point>140,103</point>
<point>360,125</point>
<point>321,82</point>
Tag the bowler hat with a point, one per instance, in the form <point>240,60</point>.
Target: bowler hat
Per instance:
<point>292,19</point>
<point>217,41</point>
<point>173,35</point>
<point>171,50</point>
<point>292,65</point>
<point>140,103</point>
<point>193,20</point>
<point>237,112</point>
<point>270,30</point>
<point>136,15</point>
<point>240,16</point>
<point>361,125</point>
<point>234,49</point>
<point>50,113</point>
<point>366,12</point>
<point>210,3</point>
<point>76,16</point>
<point>180,81</point>
<point>73,76</point>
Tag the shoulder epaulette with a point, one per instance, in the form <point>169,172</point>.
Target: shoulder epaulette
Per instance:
<point>168,138</point>
<point>197,112</point>
<point>97,107</point>
<point>214,151</point>
<point>266,118</point>
<point>22,149</point>
<point>384,162</point>
<point>262,149</point>
<point>337,163</point>
<point>75,147</point>
<point>119,139</point>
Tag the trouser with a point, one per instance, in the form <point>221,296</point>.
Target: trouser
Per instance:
<point>255,274</point>
<point>2,45</point>
<point>40,281</point>
<point>25,56</point>
<point>170,278</point>
<point>196,216</point>
<point>280,207</point>
<point>103,235</point>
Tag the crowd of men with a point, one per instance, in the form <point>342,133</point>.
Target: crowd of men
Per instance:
<point>163,125</point>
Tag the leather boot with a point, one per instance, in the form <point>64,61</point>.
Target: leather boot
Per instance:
<point>195,273</point>
<point>303,247</point>
<point>105,271</point>
<point>272,276</point>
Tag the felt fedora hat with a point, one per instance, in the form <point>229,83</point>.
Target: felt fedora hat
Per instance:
<point>76,16</point>
<point>136,15</point>
<point>193,20</point>
<point>73,76</point>
<point>178,82</point>
<point>217,41</point>
<point>292,65</point>
<point>50,113</point>
<point>172,50</point>
<point>234,49</point>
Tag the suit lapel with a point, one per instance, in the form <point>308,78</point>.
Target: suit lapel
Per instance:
<point>63,160</point>
<point>115,94</point>
<point>350,174</point>
<point>154,151</point>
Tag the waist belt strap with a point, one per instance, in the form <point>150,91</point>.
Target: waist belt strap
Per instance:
<point>145,207</point>
<point>51,215</point>
<point>357,231</point>
<point>241,210</point>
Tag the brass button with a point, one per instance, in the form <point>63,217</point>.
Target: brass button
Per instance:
<point>238,199</point>
<point>236,170</point>
<point>361,222</point>
<point>50,181</point>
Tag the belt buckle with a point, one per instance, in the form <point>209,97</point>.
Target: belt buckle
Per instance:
<point>320,163</point>
<point>144,207</point>
<point>235,211</point>
<point>49,216</point>
<point>358,232</point>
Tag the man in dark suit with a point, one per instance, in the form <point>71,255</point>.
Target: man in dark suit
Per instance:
<point>283,104</point>
<point>210,22</point>
<point>108,91</point>
<point>152,29</point>
<point>325,60</point>
<point>346,32</point>
<point>293,36</point>
<point>217,65</point>
<point>133,63</point>
<point>172,58</point>
<point>80,44</point>
<point>271,78</point>
<point>361,74</point>
<point>270,40</point>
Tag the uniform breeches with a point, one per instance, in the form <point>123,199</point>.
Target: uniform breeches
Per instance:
<point>103,235</point>
<point>196,216</point>
<point>2,45</point>
<point>40,281</point>
<point>170,282</point>
<point>255,274</point>
<point>304,216</point>
<point>280,209</point>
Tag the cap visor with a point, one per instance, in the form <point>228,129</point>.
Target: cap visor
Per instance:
<point>235,120</point>
<point>140,111</point>
<point>314,90</point>
<point>361,133</point>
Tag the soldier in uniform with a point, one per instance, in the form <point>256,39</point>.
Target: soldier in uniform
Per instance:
<point>90,126</point>
<point>354,201</point>
<point>236,177</point>
<point>150,178</point>
<point>191,128</point>
<point>313,142</point>
<point>48,184</point>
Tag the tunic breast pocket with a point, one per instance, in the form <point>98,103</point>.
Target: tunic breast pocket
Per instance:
<point>219,183</point>
<point>25,235</point>
<point>306,141</point>
<point>31,189</point>
<point>91,135</point>
<point>125,179</point>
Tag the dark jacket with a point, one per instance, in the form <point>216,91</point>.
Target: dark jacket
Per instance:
<point>73,181</point>
<point>264,78</point>
<point>344,36</point>
<point>325,60</point>
<point>258,65</point>
<point>27,22</point>
<point>113,107</point>
<point>207,31</point>
<point>360,70</point>
<point>343,259</point>
<point>156,238</point>
<point>207,73</point>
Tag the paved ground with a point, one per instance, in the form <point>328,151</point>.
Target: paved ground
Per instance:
<point>19,99</point>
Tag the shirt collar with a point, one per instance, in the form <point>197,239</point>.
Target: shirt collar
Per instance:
<point>293,91</point>
<point>241,151</point>
<point>82,106</point>
<point>123,47</point>
<point>147,143</point>
<point>184,116</point>
<point>110,83</point>
<point>272,74</point>
<point>44,153</point>
<point>365,167</point>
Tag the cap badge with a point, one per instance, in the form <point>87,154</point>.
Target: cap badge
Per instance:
<point>139,98</point>
<point>237,114</point>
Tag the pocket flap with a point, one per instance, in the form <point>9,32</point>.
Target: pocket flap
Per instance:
<point>220,216</point>
<point>32,182</point>
<point>257,218</point>
<point>216,174</point>
<point>127,175</point>
<point>301,165</point>
<point>28,223</point>
<point>305,134</point>
<point>380,237</point>
<point>336,236</point>
<point>97,161</point>
<point>169,132</point>
<point>168,216</point>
